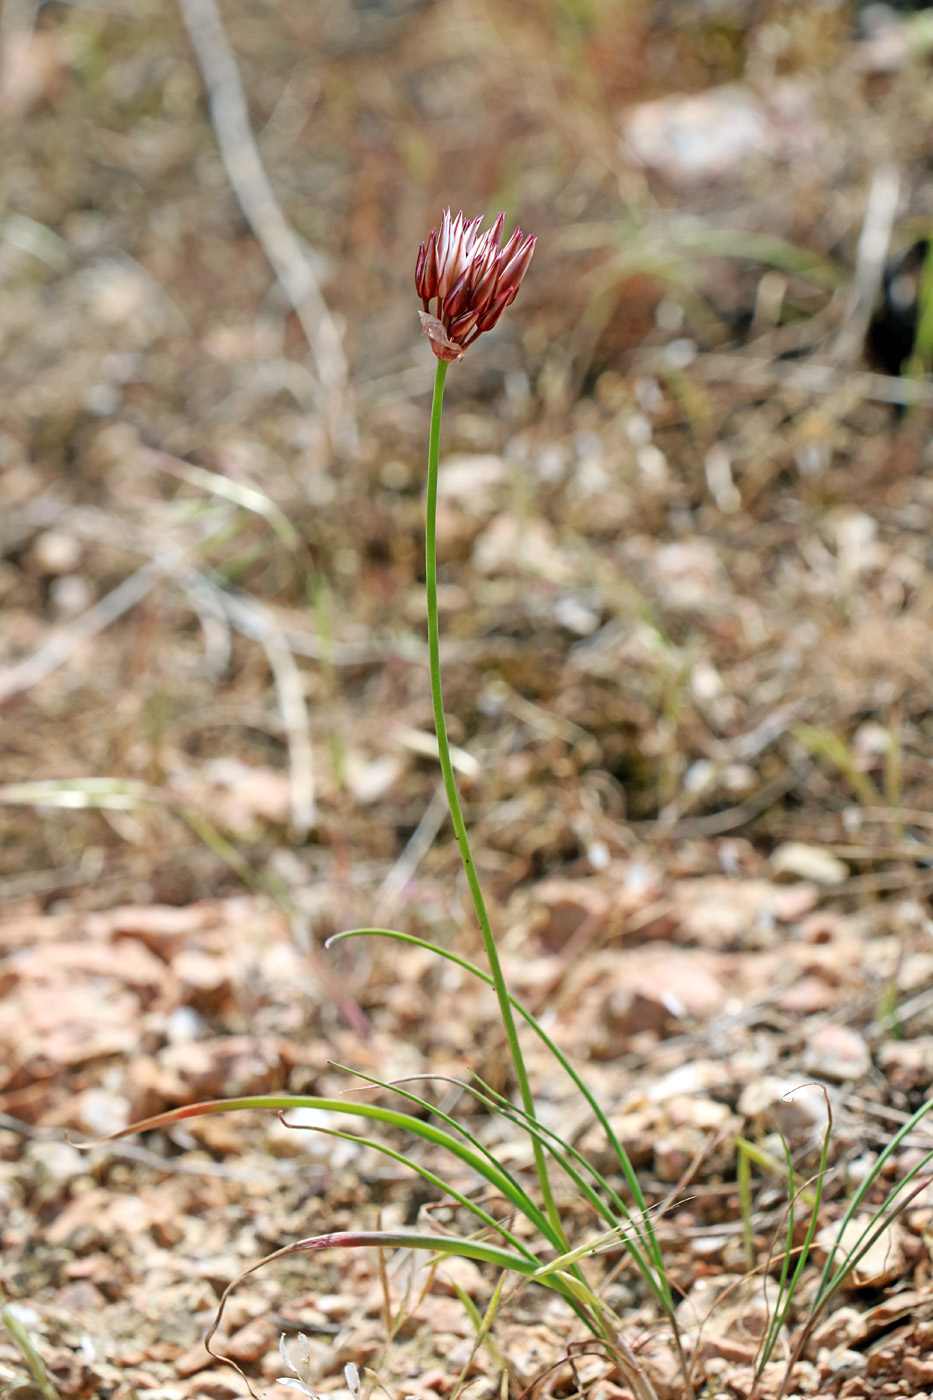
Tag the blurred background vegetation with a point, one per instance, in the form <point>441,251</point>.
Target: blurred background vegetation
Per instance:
<point>686,503</point>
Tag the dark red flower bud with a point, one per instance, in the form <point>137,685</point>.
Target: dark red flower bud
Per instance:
<point>494,310</point>
<point>471,278</point>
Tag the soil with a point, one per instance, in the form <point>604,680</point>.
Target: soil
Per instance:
<point>687,613</point>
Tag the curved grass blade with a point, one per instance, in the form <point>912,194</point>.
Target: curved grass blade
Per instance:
<point>787,1284</point>
<point>394,1087</point>
<point>652,1246</point>
<point>426,1175</point>
<point>563,1155</point>
<point>403,1122</point>
<point>31,1358</point>
<point>380,1239</point>
<point>830,1280</point>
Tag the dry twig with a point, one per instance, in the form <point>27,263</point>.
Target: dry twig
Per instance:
<point>809,376</point>
<point>286,252</point>
<point>64,643</point>
<point>389,894</point>
<point>256,622</point>
<point>872,251</point>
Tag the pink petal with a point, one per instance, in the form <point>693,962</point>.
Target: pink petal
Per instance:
<point>495,233</point>
<point>495,309</point>
<point>461,326</point>
<point>508,251</point>
<point>484,290</point>
<point>458,298</point>
<point>443,238</point>
<point>515,269</point>
<point>448,267</point>
<point>429,276</point>
<point>470,233</point>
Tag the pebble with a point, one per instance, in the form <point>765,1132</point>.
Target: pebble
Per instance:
<point>803,862</point>
<point>837,1053</point>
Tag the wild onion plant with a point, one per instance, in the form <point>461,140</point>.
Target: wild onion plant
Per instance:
<point>465,280</point>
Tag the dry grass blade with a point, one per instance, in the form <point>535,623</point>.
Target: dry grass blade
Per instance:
<point>290,259</point>
<point>390,893</point>
<point>810,377</point>
<point>256,622</point>
<point>63,645</point>
<point>870,257</point>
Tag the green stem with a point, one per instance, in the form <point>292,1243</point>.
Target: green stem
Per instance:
<point>453,801</point>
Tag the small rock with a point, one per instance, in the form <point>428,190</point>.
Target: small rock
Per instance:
<point>510,545</point>
<point>369,778</point>
<point>566,905</point>
<point>713,135</point>
<point>798,1110</point>
<point>472,480</point>
<point>70,594</point>
<point>803,862</point>
<point>55,1164</point>
<point>210,1385</point>
<point>717,911</point>
<point>882,1263</point>
<point>919,1370</point>
<point>192,1361</point>
<point>56,552</point>
<point>907,1063</point>
<point>839,1329</point>
<point>838,1053</point>
<point>657,993</point>
<point>674,1152</point>
<point>809,995</point>
<point>204,980</point>
<point>457,1276</point>
<point>252,1341</point>
<point>844,1359</point>
<point>231,1065</point>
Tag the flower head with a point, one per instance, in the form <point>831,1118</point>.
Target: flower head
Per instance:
<point>471,277</point>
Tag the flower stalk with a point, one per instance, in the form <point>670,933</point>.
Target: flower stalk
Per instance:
<point>449,277</point>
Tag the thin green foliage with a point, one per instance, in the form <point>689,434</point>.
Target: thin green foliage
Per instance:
<point>889,1010</point>
<point>128,795</point>
<point>27,1350</point>
<point>787,1281</point>
<point>247,498</point>
<point>840,1260</point>
<point>827,745</point>
<point>483,1327</point>
<point>319,600</point>
<point>483,1164</point>
<point>624,1227</point>
<point>577,1293</point>
<point>100,794</point>
<point>758,1156</point>
<point>743,1173</point>
<point>833,1274</point>
<point>650,1258</point>
<point>675,249</point>
<point>921,360</point>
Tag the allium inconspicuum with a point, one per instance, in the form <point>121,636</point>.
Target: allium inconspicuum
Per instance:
<point>470,277</point>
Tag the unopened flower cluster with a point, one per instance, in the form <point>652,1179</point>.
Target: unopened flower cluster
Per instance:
<point>470,278</point>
